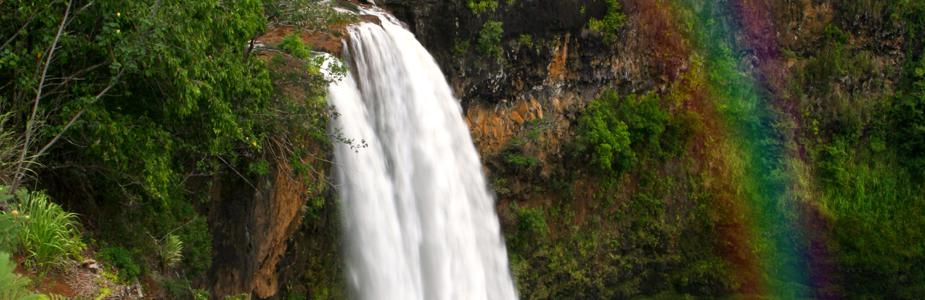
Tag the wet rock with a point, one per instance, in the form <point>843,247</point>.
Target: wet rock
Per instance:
<point>91,265</point>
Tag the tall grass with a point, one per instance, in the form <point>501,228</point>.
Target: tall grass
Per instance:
<point>48,236</point>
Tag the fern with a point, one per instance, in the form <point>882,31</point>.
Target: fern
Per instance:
<point>170,250</point>
<point>13,286</point>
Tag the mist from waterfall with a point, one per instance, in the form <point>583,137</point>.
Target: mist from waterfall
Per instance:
<point>419,220</point>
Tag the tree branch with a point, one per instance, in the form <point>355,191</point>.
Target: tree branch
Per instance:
<point>78,114</point>
<point>38,96</point>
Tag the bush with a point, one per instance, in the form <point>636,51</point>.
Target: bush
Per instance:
<point>292,44</point>
<point>490,39</point>
<point>47,234</point>
<point>609,26</point>
<point>833,61</point>
<point>9,226</point>
<point>531,222</point>
<point>197,246</point>
<point>305,13</point>
<point>123,260</point>
<point>603,136</point>
<point>521,161</point>
<point>13,286</point>
<point>613,130</point>
<point>479,7</point>
<point>909,115</point>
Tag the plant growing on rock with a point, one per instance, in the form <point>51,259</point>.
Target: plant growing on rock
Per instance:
<point>609,26</point>
<point>490,39</point>
<point>293,44</point>
<point>479,7</point>
<point>616,131</point>
<point>603,136</point>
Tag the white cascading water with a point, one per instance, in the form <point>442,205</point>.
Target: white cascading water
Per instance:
<point>418,216</point>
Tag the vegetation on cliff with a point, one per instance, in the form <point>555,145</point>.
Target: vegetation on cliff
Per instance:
<point>815,129</point>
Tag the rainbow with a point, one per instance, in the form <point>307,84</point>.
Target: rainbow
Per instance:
<point>722,57</point>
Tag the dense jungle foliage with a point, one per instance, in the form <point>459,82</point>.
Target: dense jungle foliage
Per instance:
<point>124,111</point>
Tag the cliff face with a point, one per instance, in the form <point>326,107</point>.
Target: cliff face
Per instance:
<point>275,229</point>
<point>552,63</point>
<point>252,225</point>
<point>572,231</point>
<point>811,61</point>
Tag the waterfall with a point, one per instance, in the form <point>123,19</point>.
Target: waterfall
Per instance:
<point>418,217</point>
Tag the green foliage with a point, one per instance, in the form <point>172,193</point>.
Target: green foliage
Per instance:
<point>9,223</point>
<point>479,7</point>
<point>609,26</point>
<point>876,209</point>
<point>834,61</point>
<point>170,250</point>
<point>612,131</point>
<point>525,40</point>
<point>9,148</point>
<point>48,236</point>
<point>181,99</point>
<point>199,294</point>
<point>521,161</point>
<point>305,13</point>
<point>197,245</point>
<point>531,227</point>
<point>489,42</point>
<point>181,288</point>
<point>123,260</point>
<point>603,136</point>
<point>13,286</point>
<point>867,154</point>
<point>625,250</point>
<point>292,44</point>
<point>912,15</point>
<point>516,160</point>
<point>460,48</point>
<point>909,117</point>
<point>238,297</point>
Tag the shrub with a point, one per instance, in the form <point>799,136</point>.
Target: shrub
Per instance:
<point>305,13</point>
<point>9,240</point>
<point>609,26</point>
<point>292,44</point>
<point>614,132</point>
<point>13,286</point>
<point>197,245</point>
<point>8,228</point>
<point>123,260</point>
<point>47,234</point>
<point>181,288</point>
<point>490,38</point>
<point>521,161</point>
<point>525,40</point>
<point>531,227</point>
<point>479,7</point>
<point>909,115</point>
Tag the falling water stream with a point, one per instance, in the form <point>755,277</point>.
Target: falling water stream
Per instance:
<point>419,220</point>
